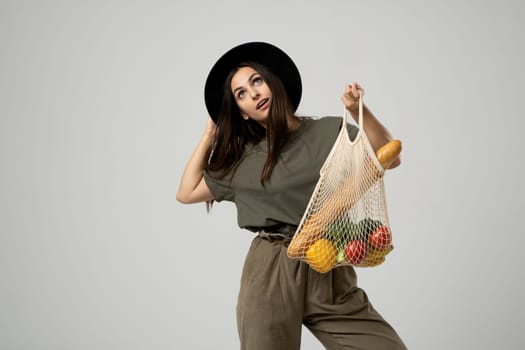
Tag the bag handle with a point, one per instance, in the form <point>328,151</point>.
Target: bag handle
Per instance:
<point>360,124</point>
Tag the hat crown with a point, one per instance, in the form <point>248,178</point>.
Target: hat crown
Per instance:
<point>269,55</point>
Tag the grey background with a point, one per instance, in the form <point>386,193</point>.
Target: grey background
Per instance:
<point>102,105</point>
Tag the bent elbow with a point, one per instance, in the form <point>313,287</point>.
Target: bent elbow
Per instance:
<point>182,198</point>
<point>200,193</point>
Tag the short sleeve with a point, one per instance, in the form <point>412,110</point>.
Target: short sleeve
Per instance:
<point>220,188</point>
<point>352,131</point>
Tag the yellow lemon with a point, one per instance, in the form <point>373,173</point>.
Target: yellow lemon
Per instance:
<point>321,256</point>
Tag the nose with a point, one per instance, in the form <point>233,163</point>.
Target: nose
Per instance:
<point>254,93</point>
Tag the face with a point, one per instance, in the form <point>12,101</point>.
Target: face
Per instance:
<point>252,94</point>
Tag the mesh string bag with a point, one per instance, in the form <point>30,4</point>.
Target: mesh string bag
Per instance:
<point>346,220</point>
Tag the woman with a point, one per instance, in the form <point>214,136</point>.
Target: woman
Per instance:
<point>266,160</point>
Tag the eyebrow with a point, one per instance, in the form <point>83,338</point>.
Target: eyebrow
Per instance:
<point>249,79</point>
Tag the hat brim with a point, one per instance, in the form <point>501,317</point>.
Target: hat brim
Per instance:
<point>264,53</point>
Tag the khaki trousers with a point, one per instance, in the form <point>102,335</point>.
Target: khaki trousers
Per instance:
<point>278,295</point>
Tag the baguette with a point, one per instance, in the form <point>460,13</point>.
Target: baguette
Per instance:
<point>388,153</point>
<point>314,227</point>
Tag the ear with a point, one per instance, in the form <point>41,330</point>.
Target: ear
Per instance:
<point>245,116</point>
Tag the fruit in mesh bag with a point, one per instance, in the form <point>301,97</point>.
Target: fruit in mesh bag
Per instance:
<point>341,231</point>
<point>315,225</point>
<point>356,251</point>
<point>376,257</point>
<point>366,226</point>
<point>341,256</point>
<point>321,256</point>
<point>380,238</point>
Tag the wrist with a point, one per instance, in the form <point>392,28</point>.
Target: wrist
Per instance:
<point>354,112</point>
<point>208,137</point>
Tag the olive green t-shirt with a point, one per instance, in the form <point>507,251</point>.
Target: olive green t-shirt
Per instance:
<point>283,199</point>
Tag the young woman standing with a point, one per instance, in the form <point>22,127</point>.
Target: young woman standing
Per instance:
<point>266,160</point>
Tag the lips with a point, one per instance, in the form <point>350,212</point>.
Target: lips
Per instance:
<point>262,103</point>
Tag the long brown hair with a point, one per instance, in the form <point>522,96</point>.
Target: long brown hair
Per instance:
<point>234,133</point>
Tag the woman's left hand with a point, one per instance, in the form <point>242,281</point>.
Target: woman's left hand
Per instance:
<point>350,97</point>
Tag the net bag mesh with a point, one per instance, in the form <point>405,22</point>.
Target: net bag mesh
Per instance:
<point>346,220</point>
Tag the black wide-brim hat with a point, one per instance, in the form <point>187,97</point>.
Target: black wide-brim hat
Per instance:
<point>275,59</point>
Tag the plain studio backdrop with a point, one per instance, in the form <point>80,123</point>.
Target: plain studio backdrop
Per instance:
<point>101,105</point>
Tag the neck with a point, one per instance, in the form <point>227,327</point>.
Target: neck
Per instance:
<point>293,123</point>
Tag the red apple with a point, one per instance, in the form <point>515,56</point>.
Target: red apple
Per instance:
<point>356,251</point>
<point>380,238</point>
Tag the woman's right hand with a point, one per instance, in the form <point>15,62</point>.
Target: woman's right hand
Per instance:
<point>193,188</point>
<point>211,127</point>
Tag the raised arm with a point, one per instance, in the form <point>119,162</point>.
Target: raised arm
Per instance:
<point>193,188</point>
<point>377,133</point>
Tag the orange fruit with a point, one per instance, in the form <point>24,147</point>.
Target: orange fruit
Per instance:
<point>321,256</point>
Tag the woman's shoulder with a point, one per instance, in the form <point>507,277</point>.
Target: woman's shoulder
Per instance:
<point>326,126</point>
<point>322,124</point>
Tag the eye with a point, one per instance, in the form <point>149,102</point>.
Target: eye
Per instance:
<point>241,94</point>
<point>257,81</point>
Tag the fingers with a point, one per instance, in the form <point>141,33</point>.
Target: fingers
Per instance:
<point>211,127</point>
<point>351,95</point>
<point>354,90</point>
<point>210,123</point>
